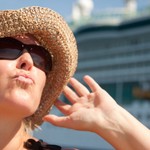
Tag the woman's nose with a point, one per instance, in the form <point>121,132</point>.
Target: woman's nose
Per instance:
<point>25,61</point>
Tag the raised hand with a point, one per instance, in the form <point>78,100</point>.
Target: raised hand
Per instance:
<point>89,110</point>
<point>97,111</point>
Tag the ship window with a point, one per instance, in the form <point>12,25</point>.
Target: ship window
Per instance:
<point>128,96</point>
<point>110,88</point>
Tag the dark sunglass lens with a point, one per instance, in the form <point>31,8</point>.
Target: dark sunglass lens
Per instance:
<point>9,48</point>
<point>41,58</point>
<point>38,61</point>
<point>9,53</point>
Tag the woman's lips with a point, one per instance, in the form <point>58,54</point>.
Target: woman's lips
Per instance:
<point>24,79</point>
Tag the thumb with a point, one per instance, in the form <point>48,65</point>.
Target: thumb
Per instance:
<point>62,121</point>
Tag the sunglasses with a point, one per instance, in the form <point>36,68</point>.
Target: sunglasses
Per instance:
<point>11,49</point>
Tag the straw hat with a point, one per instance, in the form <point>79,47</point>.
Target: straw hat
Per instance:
<point>52,32</point>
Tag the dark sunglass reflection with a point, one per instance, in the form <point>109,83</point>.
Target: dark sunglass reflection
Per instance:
<point>11,49</point>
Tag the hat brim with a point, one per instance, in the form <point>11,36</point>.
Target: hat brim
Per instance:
<point>53,33</point>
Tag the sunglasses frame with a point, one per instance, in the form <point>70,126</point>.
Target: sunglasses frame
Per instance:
<point>31,49</point>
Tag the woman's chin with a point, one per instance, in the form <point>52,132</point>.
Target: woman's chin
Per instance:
<point>22,103</point>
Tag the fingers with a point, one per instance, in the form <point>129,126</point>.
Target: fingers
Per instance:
<point>57,121</point>
<point>70,94</point>
<point>65,122</point>
<point>80,89</point>
<point>94,86</point>
<point>63,107</point>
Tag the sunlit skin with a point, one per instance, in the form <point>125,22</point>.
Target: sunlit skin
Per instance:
<point>96,111</point>
<point>21,86</point>
<point>84,105</point>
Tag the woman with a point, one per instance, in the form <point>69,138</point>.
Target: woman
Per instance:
<point>38,56</point>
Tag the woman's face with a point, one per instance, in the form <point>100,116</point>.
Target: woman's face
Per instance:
<point>21,83</point>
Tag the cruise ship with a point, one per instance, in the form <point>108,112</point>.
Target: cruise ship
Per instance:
<point>114,48</point>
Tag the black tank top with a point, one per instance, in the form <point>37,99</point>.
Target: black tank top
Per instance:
<point>31,144</point>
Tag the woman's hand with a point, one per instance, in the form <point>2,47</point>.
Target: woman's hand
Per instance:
<point>97,111</point>
<point>89,110</point>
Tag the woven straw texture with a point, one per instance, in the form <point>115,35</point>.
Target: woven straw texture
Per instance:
<point>52,32</point>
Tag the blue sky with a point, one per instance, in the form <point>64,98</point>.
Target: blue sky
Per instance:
<point>64,6</point>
